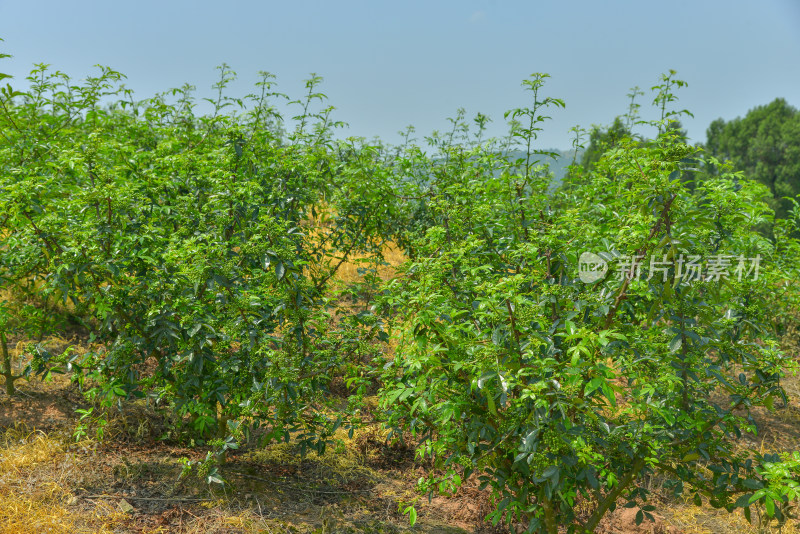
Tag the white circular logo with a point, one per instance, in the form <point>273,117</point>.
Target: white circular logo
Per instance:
<point>591,267</point>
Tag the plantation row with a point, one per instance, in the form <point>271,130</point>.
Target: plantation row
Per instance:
<point>200,252</point>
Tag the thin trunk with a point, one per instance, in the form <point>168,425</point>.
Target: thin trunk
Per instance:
<point>612,496</point>
<point>222,431</point>
<point>550,521</point>
<point>7,371</point>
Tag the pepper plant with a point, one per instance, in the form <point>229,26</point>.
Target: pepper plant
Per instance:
<point>555,390</point>
<point>196,250</point>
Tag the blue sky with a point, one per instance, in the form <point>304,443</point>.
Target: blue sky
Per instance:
<point>390,64</point>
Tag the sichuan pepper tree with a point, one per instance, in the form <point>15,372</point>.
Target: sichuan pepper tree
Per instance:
<point>196,249</point>
<point>555,390</point>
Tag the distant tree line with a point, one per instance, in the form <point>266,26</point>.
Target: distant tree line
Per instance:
<point>764,144</point>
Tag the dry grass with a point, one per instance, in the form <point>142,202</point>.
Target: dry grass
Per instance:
<point>22,515</point>
<point>392,256</point>
<point>352,487</point>
<point>693,519</point>
<point>21,448</point>
<point>48,483</point>
<point>34,479</point>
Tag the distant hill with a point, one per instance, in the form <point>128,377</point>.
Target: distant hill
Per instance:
<point>558,166</point>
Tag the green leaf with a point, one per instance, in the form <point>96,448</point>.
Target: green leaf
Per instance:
<point>751,483</point>
<point>490,402</point>
<point>552,473</point>
<point>770,506</point>
<point>412,515</point>
<point>214,479</point>
<point>743,501</point>
<point>675,343</point>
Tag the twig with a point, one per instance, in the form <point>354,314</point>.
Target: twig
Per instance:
<point>165,499</point>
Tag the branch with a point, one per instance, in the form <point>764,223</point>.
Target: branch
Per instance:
<point>662,219</point>
<point>612,496</point>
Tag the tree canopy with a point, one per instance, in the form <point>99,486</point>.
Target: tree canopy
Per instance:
<point>765,144</point>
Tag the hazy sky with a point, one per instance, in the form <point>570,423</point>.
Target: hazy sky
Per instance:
<point>390,64</point>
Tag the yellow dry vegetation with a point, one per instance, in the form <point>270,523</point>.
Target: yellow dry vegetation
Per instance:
<point>35,504</point>
<point>24,515</point>
<point>317,228</point>
<point>392,255</point>
<point>691,519</point>
<point>20,448</point>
